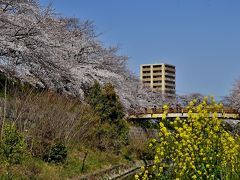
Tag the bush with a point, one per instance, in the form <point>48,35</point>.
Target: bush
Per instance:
<point>138,149</point>
<point>12,145</point>
<point>105,102</point>
<point>197,148</point>
<point>112,130</point>
<point>57,154</point>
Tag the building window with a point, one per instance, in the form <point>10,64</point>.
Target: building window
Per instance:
<point>170,82</point>
<point>157,81</point>
<point>157,76</point>
<point>157,66</point>
<point>145,72</point>
<point>168,71</point>
<point>144,67</point>
<point>170,77</point>
<point>157,71</point>
<point>146,77</point>
<point>170,67</point>
<point>169,87</point>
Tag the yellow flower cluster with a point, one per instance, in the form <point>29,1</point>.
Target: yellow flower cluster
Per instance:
<point>195,148</point>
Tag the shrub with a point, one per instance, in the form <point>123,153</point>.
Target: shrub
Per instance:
<point>12,145</point>
<point>138,149</point>
<point>105,102</point>
<point>112,130</point>
<point>197,148</point>
<point>57,154</point>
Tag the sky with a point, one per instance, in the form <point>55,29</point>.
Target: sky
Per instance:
<point>200,37</point>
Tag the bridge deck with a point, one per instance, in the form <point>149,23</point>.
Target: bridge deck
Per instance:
<point>180,115</point>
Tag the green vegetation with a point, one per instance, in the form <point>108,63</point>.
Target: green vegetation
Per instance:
<point>195,148</point>
<point>57,154</point>
<point>35,168</point>
<point>52,136</point>
<point>147,124</point>
<point>12,145</point>
<point>105,102</point>
<point>112,129</point>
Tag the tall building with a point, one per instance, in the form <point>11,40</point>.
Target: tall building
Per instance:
<point>159,77</point>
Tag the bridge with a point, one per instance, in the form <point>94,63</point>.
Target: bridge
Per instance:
<point>157,113</point>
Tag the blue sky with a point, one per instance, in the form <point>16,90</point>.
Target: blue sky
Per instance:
<point>200,37</point>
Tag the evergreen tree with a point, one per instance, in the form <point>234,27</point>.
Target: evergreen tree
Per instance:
<point>112,130</point>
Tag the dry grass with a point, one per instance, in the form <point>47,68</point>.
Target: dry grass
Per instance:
<point>47,118</point>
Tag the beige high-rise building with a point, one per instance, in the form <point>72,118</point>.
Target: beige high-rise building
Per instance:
<point>159,77</point>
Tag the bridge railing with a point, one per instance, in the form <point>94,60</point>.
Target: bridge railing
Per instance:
<point>159,110</point>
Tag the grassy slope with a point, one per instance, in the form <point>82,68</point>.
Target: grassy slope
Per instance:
<point>34,168</point>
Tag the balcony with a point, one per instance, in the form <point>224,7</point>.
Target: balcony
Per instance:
<point>170,79</point>
<point>170,89</point>
<point>157,87</point>
<point>170,82</point>
<point>146,79</point>
<point>157,82</point>
<point>147,69</point>
<point>169,85</point>
<point>157,79</point>
<point>169,67</point>
<point>157,66</point>
<point>170,74</point>
<point>170,70</point>
<point>157,71</point>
